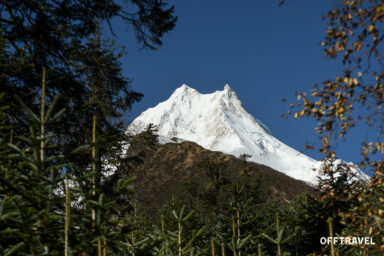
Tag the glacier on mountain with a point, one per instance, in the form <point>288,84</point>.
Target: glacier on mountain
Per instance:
<point>218,122</point>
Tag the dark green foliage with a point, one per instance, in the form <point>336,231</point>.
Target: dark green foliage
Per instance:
<point>31,202</point>
<point>215,171</point>
<point>218,200</point>
<point>339,191</point>
<point>309,222</point>
<point>178,231</point>
<point>32,208</point>
<point>64,37</point>
<point>32,196</point>
<point>280,240</point>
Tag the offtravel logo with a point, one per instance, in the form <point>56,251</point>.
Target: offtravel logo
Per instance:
<point>347,240</point>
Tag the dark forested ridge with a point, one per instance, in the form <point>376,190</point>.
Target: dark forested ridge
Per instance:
<point>188,171</point>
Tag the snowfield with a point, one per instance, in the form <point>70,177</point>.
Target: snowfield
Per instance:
<point>218,122</point>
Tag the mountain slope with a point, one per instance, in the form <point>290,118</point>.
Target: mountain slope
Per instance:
<point>218,122</point>
<point>176,168</point>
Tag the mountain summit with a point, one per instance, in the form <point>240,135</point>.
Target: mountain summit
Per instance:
<point>218,122</point>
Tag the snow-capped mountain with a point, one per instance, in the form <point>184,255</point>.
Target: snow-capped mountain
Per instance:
<point>218,122</point>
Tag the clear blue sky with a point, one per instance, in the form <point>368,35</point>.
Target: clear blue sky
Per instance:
<point>264,52</point>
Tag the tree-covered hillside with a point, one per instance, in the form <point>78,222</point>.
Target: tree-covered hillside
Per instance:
<point>69,184</point>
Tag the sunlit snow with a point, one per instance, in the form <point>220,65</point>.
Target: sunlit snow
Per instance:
<point>218,122</point>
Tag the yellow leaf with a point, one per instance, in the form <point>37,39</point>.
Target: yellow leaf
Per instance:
<point>359,74</point>
<point>371,27</point>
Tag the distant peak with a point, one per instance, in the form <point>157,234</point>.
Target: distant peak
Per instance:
<point>227,88</point>
<point>184,89</point>
<point>230,93</point>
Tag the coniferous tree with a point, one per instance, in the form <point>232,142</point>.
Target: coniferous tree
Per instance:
<point>32,204</point>
<point>86,71</point>
<point>59,35</point>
